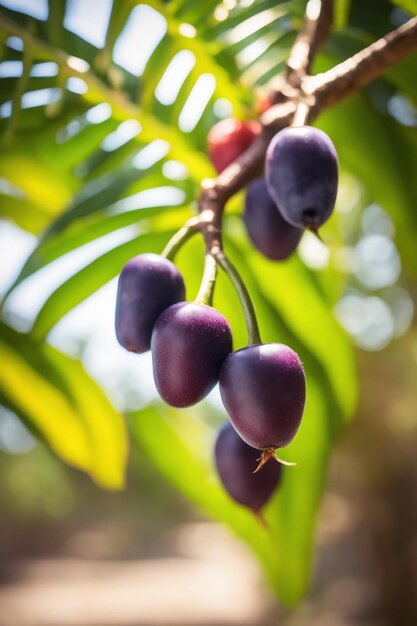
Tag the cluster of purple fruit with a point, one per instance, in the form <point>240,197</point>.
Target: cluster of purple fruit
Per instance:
<point>298,191</point>
<point>262,386</point>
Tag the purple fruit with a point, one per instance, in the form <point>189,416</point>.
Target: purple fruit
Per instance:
<point>263,390</point>
<point>302,175</point>
<point>189,344</point>
<point>148,284</point>
<point>267,229</point>
<point>236,463</point>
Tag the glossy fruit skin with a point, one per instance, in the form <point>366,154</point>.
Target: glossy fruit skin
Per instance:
<point>302,175</point>
<point>148,284</point>
<point>268,231</point>
<point>263,390</point>
<point>236,463</point>
<point>189,345</point>
<point>228,139</point>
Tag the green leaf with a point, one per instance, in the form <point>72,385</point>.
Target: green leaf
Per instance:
<point>341,13</point>
<point>52,248</point>
<point>214,29</point>
<point>26,214</point>
<point>100,195</point>
<point>56,16</point>
<point>384,160</point>
<point>93,197</point>
<point>407,5</point>
<point>402,76</point>
<point>29,175</point>
<point>173,42</point>
<point>85,282</point>
<point>124,109</point>
<point>90,217</point>
<point>57,399</point>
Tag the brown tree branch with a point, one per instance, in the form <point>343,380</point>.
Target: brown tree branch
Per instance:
<point>317,23</point>
<point>356,72</point>
<point>348,77</point>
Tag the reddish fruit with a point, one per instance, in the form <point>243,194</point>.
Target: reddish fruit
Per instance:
<point>228,139</point>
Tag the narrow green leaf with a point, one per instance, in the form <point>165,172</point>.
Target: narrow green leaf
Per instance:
<point>86,231</point>
<point>104,426</point>
<point>90,217</point>
<point>28,215</point>
<point>384,159</point>
<point>56,15</point>
<point>341,13</point>
<point>20,89</point>
<point>39,401</point>
<point>193,12</point>
<point>29,176</point>
<point>204,54</point>
<point>53,394</point>
<point>407,5</point>
<point>77,288</point>
<point>93,197</point>
<point>214,29</point>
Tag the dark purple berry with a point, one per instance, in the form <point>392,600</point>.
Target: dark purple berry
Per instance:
<point>189,344</point>
<point>263,389</point>
<point>266,227</point>
<point>302,175</point>
<point>148,284</point>
<point>236,463</point>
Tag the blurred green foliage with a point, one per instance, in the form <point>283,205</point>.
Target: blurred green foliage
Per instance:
<point>61,184</point>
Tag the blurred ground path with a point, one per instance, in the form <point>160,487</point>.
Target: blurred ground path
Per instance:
<point>212,581</point>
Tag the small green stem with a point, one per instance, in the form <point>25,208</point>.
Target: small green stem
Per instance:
<point>179,239</point>
<point>254,337</point>
<point>208,282</point>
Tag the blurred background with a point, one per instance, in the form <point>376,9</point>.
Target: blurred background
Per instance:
<point>110,510</point>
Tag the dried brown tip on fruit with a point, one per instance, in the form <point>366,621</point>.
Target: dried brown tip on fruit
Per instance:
<point>286,463</point>
<point>260,519</point>
<point>315,231</point>
<point>264,458</point>
<point>269,453</point>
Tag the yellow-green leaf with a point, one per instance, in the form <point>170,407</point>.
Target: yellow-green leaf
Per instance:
<point>57,399</point>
